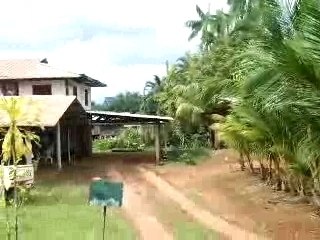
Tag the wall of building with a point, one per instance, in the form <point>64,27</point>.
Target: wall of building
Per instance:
<point>58,87</point>
<point>81,93</point>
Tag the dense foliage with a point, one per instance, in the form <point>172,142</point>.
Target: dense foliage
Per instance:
<point>132,102</point>
<point>123,102</point>
<point>256,80</point>
<point>130,139</point>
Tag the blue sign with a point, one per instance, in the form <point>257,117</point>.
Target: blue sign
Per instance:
<point>106,193</point>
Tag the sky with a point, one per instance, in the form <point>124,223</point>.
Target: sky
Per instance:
<point>122,43</point>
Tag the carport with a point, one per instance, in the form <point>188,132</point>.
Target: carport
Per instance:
<point>114,118</point>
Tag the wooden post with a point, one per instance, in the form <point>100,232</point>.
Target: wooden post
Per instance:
<point>216,139</point>
<point>165,137</point>
<point>58,144</point>
<point>68,145</point>
<point>157,143</point>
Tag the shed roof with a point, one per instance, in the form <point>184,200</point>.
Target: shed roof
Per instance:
<point>106,117</point>
<point>25,69</point>
<point>45,110</point>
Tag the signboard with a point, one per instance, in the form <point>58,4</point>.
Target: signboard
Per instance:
<point>106,193</point>
<point>24,175</point>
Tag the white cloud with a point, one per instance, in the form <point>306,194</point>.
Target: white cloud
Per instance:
<point>93,37</point>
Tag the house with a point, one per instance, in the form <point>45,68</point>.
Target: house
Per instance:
<point>62,97</point>
<point>65,102</point>
<point>36,77</point>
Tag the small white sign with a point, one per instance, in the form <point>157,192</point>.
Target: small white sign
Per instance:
<point>25,175</point>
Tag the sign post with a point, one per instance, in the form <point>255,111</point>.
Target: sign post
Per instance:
<point>106,194</point>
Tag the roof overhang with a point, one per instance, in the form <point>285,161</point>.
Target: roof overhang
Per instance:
<point>111,118</point>
<point>44,111</point>
<point>91,82</point>
<point>34,69</point>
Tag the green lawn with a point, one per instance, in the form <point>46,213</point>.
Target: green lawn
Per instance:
<point>61,212</point>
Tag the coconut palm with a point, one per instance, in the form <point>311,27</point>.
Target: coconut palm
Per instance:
<point>266,69</point>
<point>211,26</point>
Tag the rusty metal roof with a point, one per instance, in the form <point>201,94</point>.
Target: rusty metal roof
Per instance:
<point>24,69</point>
<point>45,110</point>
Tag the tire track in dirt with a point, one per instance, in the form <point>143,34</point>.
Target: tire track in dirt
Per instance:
<point>202,215</point>
<point>137,207</point>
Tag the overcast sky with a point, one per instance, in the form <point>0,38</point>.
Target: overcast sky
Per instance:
<point>122,43</point>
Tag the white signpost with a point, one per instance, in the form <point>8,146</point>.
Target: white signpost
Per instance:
<point>25,175</point>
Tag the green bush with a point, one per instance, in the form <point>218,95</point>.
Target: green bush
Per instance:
<point>188,156</point>
<point>130,138</point>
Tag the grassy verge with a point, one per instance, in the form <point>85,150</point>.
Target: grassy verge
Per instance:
<point>61,212</point>
<point>188,156</point>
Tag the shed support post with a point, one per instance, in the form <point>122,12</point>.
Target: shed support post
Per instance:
<point>58,144</point>
<point>157,143</point>
<point>68,143</point>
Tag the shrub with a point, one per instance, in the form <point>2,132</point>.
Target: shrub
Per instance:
<point>130,138</point>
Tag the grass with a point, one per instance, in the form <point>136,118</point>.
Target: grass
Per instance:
<point>188,156</point>
<point>56,212</point>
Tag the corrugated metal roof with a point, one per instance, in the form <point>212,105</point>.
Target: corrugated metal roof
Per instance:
<point>131,115</point>
<point>44,110</point>
<point>35,69</point>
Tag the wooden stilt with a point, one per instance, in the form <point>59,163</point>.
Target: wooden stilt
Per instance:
<point>58,144</point>
<point>68,143</point>
<point>157,143</point>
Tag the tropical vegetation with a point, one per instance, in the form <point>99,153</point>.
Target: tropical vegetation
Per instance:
<point>16,143</point>
<point>255,82</point>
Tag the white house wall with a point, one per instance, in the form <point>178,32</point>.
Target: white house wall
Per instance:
<point>81,93</point>
<point>58,87</point>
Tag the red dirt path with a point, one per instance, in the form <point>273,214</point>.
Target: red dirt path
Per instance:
<point>216,185</point>
<point>243,199</point>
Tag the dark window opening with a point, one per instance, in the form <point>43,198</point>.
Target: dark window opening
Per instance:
<point>41,90</point>
<point>67,90</point>
<point>9,89</point>
<point>75,91</point>
<point>86,97</point>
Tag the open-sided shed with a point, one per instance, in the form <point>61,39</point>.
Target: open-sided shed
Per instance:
<point>63,117</point>
<point>115,118</point>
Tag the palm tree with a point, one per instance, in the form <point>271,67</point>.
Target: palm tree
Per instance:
<point>153,86</point>
<point>273,76</point>
<point>151,90</point>
<point>201,25</point>
<point>284,125</point>
<point>213,27</point>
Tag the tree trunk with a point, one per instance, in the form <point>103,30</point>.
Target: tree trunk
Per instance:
<point>250,162</point>
<point>301,187</point>
<point>277,173</point>
<point>211,136</point>
<point>241,162</point>
<point>263,171</point>
<point>270,171</point>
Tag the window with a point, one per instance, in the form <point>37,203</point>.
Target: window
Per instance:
<point>9,89</point>
<point>86,97</point>
<point>67,90</point>
<point>75,91</point>
<point>41,89</point>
